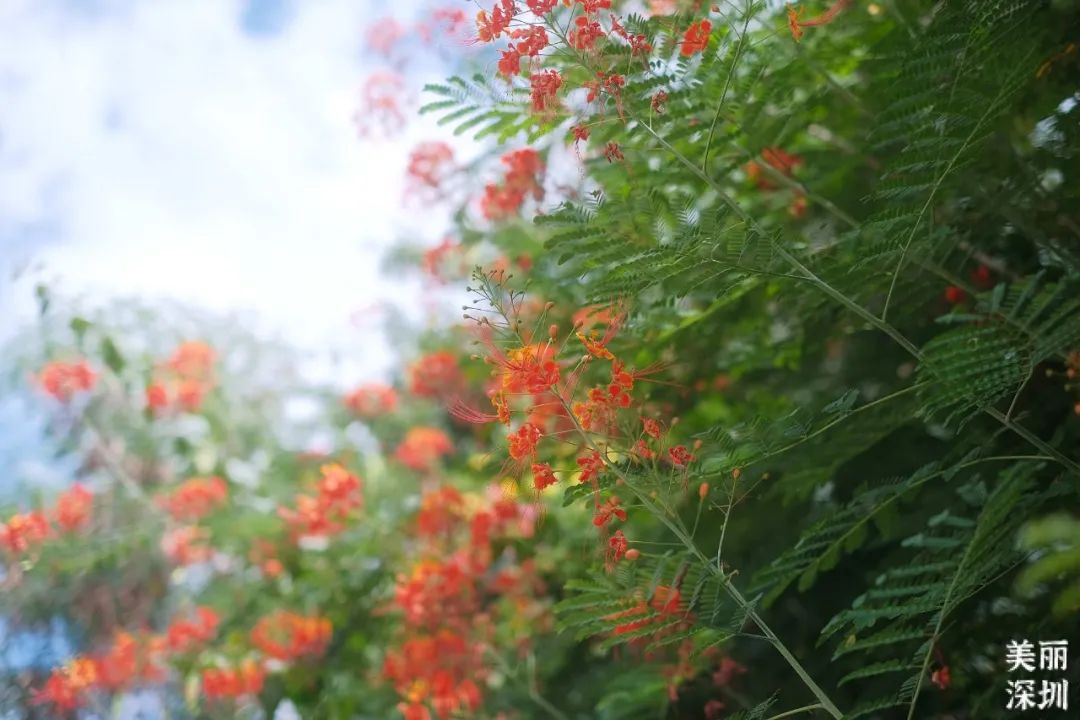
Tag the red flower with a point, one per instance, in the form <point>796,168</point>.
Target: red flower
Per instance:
<point>429,164</point>
<point>545,86</point>
<point>532,41</point>
<point>66,687</point>
<point>652,428</point>
<point>541,7</point>
<point>796,25</point>
<point>680,456</point>
<point>981,277</point>
<point>371,400</point>
<point>608,510</point>
<point>523,441</point>
<point>285,636</point>
<point>543,476</point>
<point>510,62</point>
<point>617,548</point>
<point>65,380</point>
<point>585,35</point>
<point>339,494</point>
<point>184,635</point>
<point>233,682</point>
<point>383,35</point>
<point>941,677</point>
<point>422,448</point>
<point>954,295</point>
<point>490,28</point>
<point>130,660</point>
<point>666,600</point>
<point>591,466</point>
<point>728,669</point>
<point>157,397</point>
<point>696,38</point>
<point>23,531</point>
<point>713,708</point>
<point>435,375</point>
<point>73,508</point>
<point>440,511</point>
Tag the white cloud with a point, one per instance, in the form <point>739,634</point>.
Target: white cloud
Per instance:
<point>176,156</point>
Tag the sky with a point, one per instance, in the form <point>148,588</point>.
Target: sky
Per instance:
<point>203,151</point>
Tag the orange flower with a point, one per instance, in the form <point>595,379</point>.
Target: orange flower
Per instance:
<point>73,508</point>
<point>435,375</point>
<point>339,494</point>
<point>422,448</point>
<point>190,394</point>
<point>195,498</point>
<point>64,380</point>
<point>193,359</point>
<point>233,682</point>
<point>696,38</point>
<point>286,636</point>
<point>23,531</point>
<point>796,25</point>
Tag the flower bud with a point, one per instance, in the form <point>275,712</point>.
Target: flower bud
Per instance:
<point>703,490</point>
<point>633,554</point>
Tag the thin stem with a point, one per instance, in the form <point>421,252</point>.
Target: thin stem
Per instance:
<point>727,86</point>
<point>532,692</point>
<point>797,711</point>
<point>727,516</point>
<point>675,525</point>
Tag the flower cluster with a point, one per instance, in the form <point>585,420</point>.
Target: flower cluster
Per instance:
<point>338,495</point>
<point>521,180</point>
<point>447,599</point>
<point>429,166</point>
<point>70,513</point>
<point>372,400</point>
<point>288,636</point>
<point>195,498</point>
<point>246,679</point>
<point>435,375</point>
<point>129,660</point>
<point>422,447</point>
<point>65,380</point>
<point>183,380</point>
